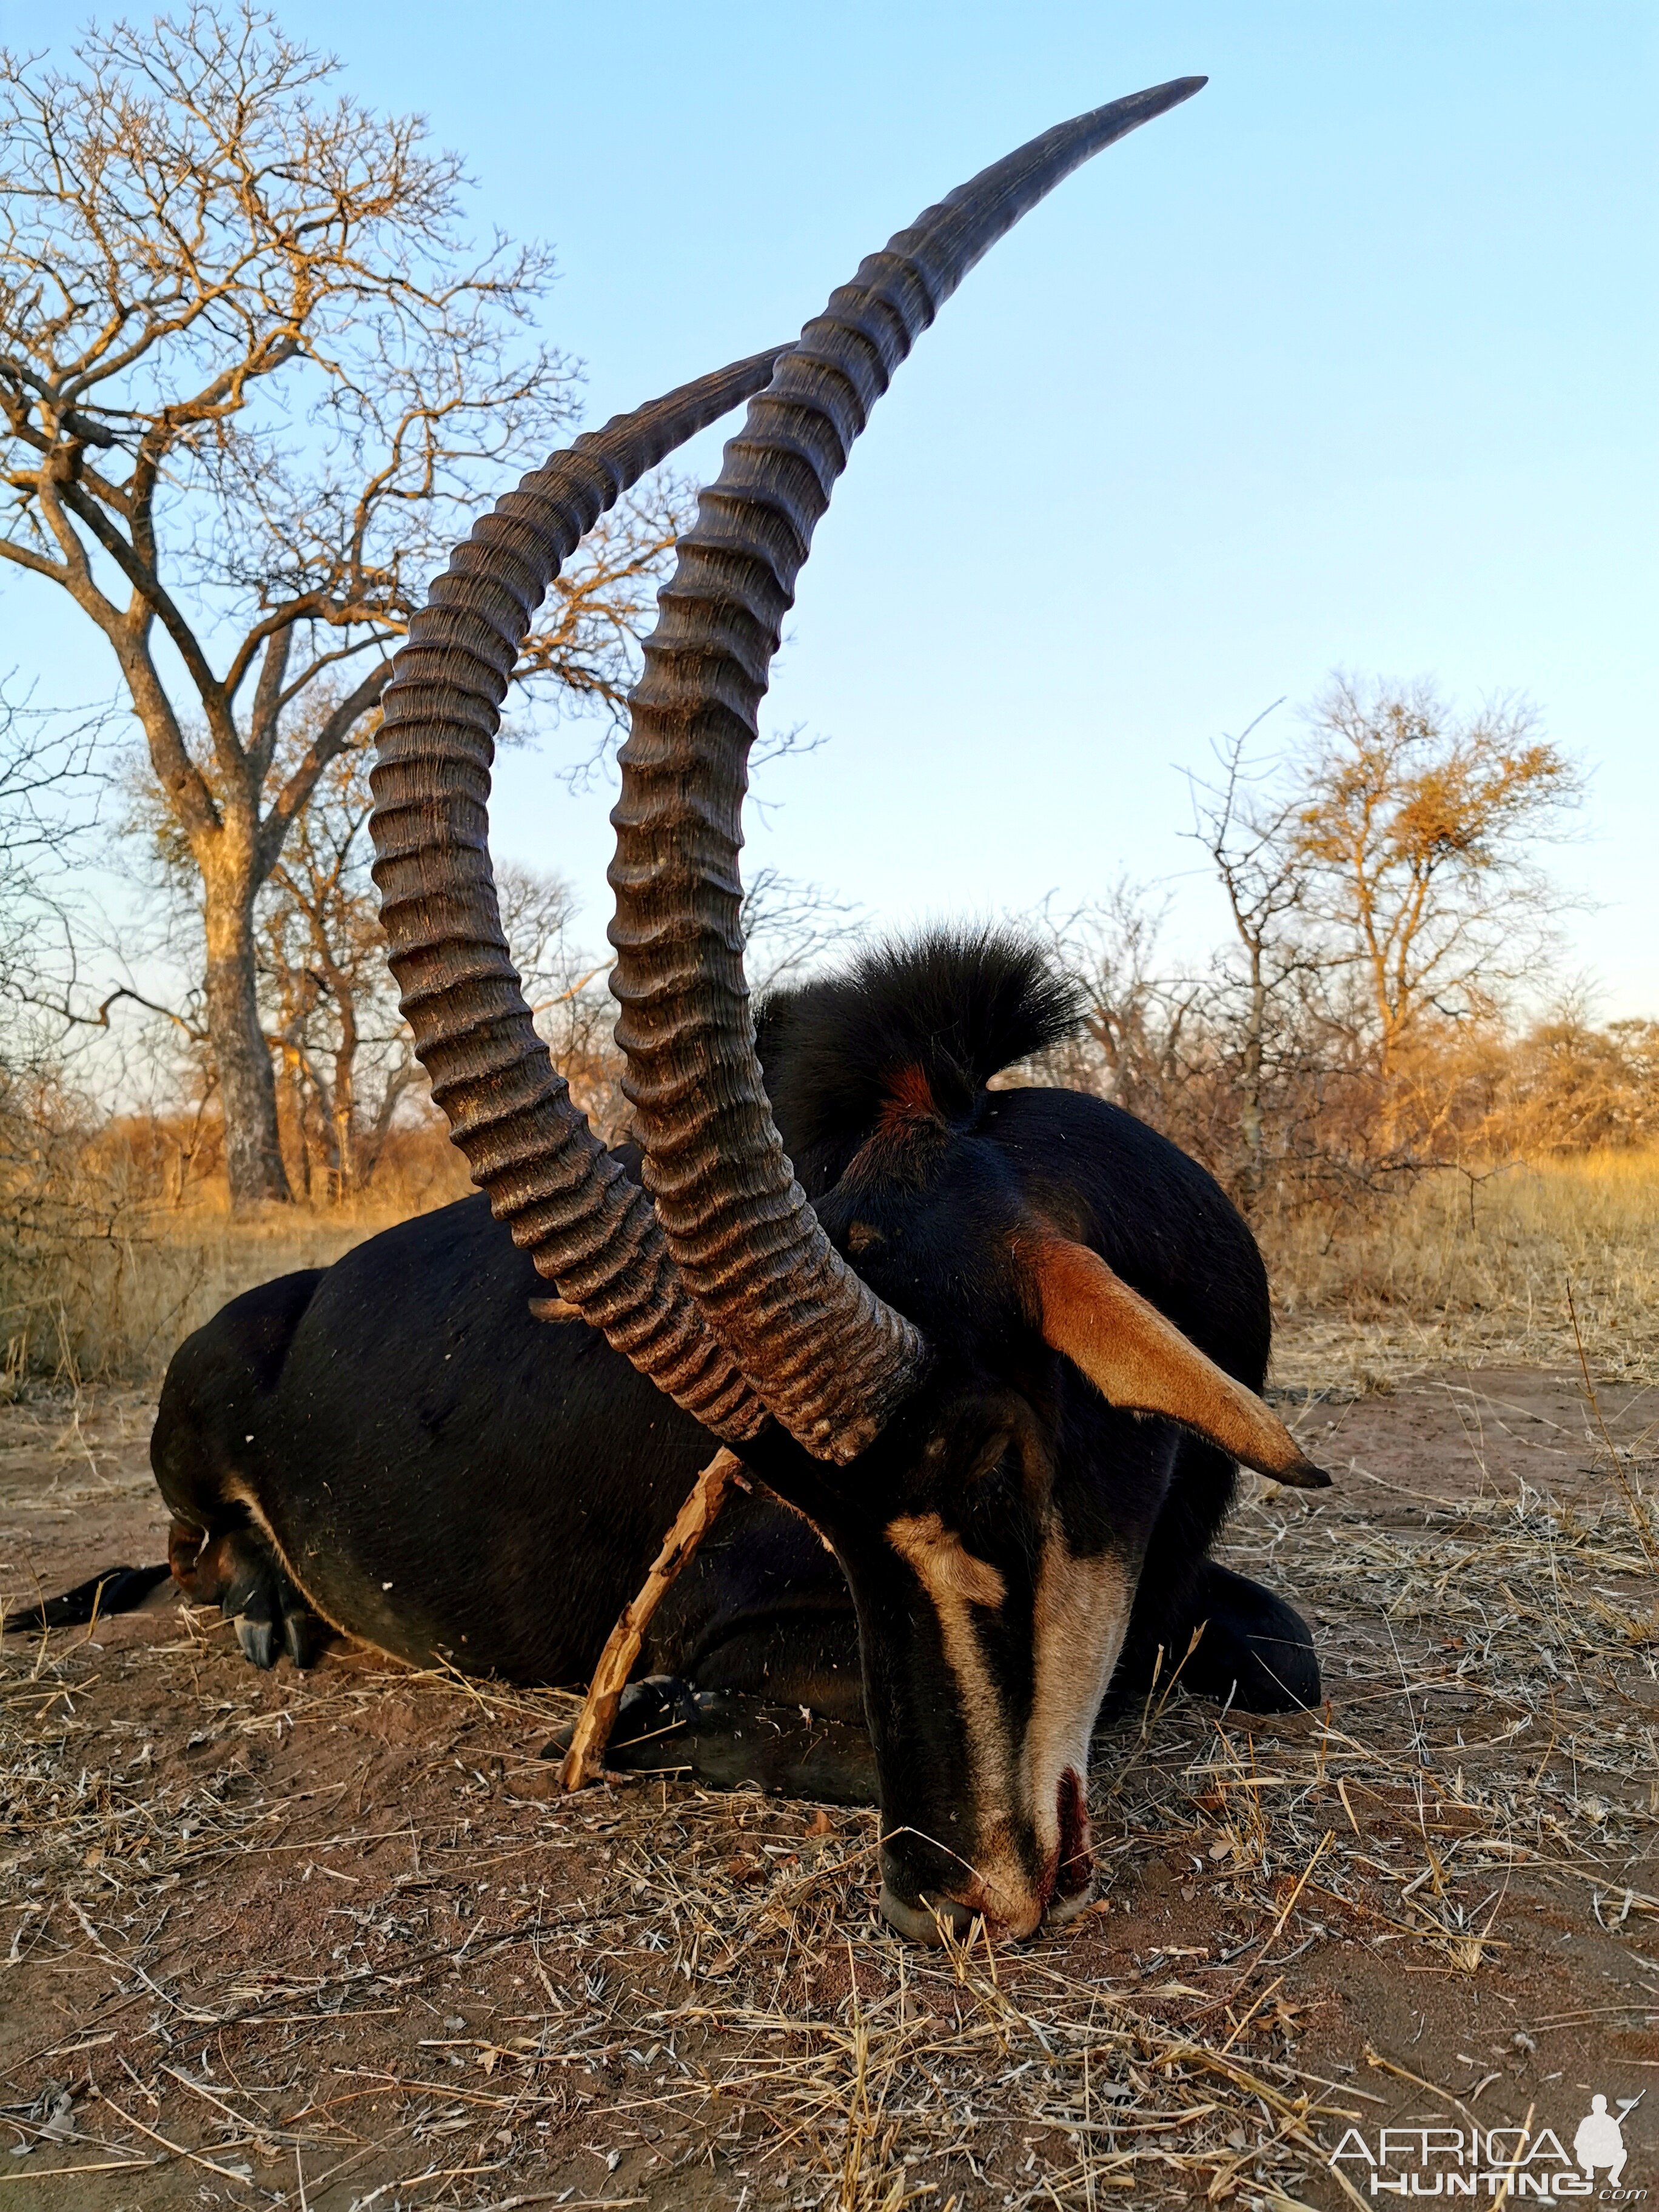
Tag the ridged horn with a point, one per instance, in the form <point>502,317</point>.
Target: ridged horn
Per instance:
<point>586,1223</point>
<point>830,1360</point>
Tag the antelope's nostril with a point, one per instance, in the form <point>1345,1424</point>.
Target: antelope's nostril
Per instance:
<point>1075,1868</point>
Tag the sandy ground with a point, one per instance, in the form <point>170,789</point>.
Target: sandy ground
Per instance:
<point>328,1940</point>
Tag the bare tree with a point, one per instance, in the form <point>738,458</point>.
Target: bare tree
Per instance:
<point>343,1054</point>
<point>538,909</point>
<point>788,927</point>
<point>567,987</point>
<point>49,795</point>
<point>252,375</point>
<point>1138,1017</point>
<point>1383,898</point>
<point>343,1058</point>
<point>1246,831</point>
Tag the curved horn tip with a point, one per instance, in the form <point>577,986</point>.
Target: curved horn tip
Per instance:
<point>1302,1475</point>
<point>724,1190</point>
<point>1160,98</point>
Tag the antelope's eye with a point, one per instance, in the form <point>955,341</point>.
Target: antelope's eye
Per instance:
<point>997,1454</point>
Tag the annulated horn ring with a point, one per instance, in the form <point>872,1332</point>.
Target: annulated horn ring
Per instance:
<point>587,1224</point>
<point>827,1356</point>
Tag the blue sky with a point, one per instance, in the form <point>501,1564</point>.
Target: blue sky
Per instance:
<point>1349,361</point>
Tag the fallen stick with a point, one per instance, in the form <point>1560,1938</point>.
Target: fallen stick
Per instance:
<point>586,1756</point>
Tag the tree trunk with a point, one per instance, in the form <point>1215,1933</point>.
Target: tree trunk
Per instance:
<point>247,1088</point>
<point>345,1102</point>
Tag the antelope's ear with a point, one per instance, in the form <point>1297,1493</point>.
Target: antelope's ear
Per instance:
<point>1142,1363</point>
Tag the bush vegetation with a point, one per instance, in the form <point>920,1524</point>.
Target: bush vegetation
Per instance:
<point>117,1234</point>
<point>1365,1063</point>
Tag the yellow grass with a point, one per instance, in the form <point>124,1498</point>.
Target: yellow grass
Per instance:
<point>1475,1273</point>
<point>119,1305</point>
<point>1483,1272</point>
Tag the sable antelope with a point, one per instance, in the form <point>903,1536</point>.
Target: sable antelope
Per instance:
<point>998,1351</point>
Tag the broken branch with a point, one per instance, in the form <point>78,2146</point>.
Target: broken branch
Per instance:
<point>586,1756</point>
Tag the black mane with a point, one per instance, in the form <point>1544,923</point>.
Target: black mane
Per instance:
<point>957,1006</point>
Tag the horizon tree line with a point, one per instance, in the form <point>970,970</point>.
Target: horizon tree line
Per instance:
<point>254,378</point>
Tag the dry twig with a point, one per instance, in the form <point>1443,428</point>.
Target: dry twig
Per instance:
<point>586,1756</point>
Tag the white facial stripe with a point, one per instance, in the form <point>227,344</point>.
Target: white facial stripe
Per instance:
<point>944,1562</point>
<point>954,1579</point>
<point>1081,1613</point>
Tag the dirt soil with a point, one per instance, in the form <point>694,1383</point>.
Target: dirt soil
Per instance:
<point>329,1941</point>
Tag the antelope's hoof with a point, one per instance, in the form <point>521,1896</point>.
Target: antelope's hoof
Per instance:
<point>1256,1652</point>
<point>239,1573</point>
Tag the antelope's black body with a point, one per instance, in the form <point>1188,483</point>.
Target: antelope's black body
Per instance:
<point>444,1476</point>
<point>1000,1351</point>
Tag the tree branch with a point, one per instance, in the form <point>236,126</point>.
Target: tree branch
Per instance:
<point>329,743</point>
<point>150,588</point>
<point>265,720</point>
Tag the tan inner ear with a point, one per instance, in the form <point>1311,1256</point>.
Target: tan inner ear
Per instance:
<point>1142,1363</point>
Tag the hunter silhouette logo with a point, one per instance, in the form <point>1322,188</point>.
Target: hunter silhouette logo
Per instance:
<point>1510,2163</point>
<point>1600,2141</point>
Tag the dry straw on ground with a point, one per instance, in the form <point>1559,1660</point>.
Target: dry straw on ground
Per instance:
<point>448,1985</point>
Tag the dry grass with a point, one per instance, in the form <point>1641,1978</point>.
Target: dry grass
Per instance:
<point>120,1305</point>
<point>653,1997</point>
<point>672,1999</point>
<point>1455,1269</point>
<point>109,1293</point>
<point>1476,1272</point>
